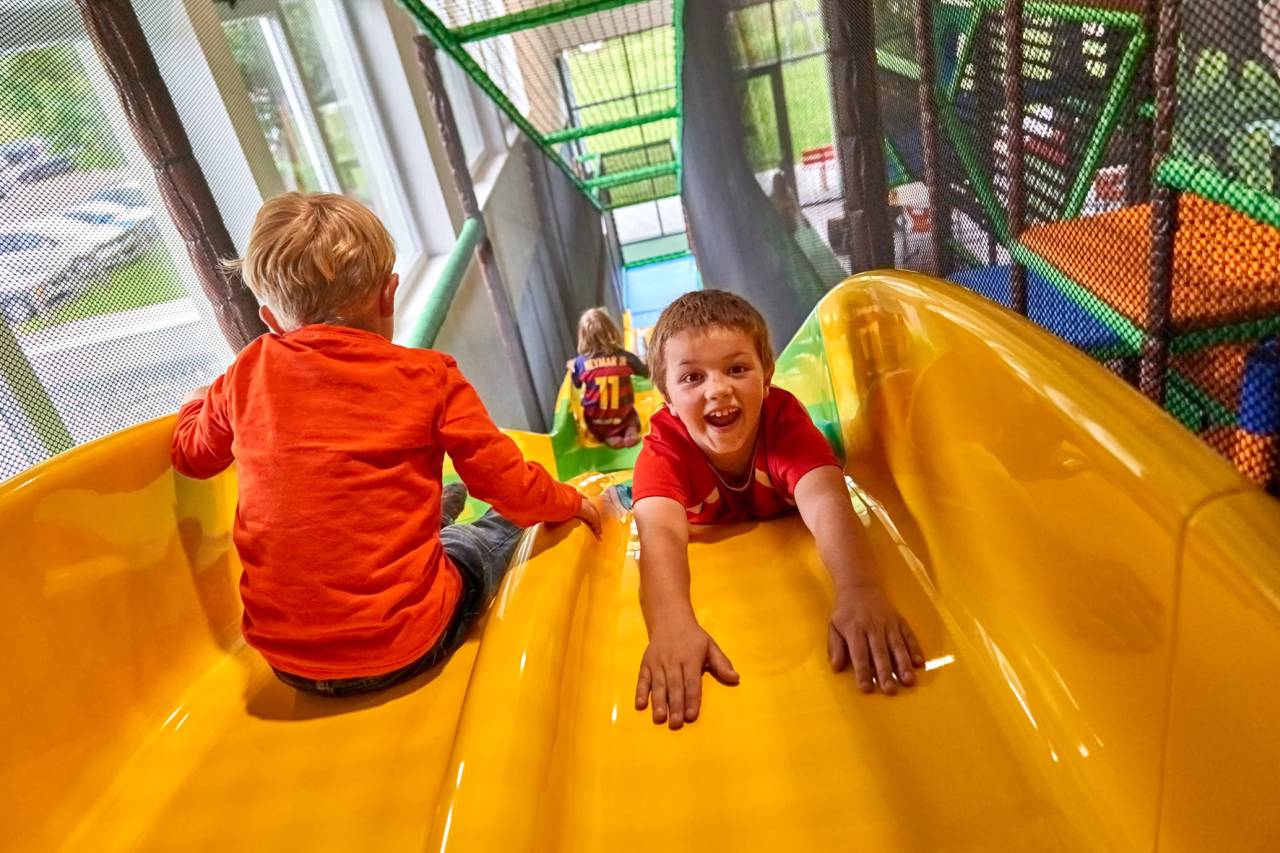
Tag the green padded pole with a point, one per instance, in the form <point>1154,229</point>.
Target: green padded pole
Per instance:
<point>549,13</point>
<point>621,124</point>
<point>632,176</point>
<point>426,327</point>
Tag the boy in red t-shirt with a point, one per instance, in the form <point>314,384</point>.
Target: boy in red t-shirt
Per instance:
<point>727,447</point>
<point>354,579</point>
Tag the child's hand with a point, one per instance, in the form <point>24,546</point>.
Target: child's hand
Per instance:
<point>589,515</point>
<point>196,394</point>
<point>866,628</point>
<point>671,672</point>
<point>568,365</point>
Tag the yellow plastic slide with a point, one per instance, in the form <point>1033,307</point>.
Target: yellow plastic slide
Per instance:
<point>1098,595</point>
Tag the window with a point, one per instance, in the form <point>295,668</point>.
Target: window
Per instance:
<point>97,297</point>
<point>304,78</point>
<point>465,113</point>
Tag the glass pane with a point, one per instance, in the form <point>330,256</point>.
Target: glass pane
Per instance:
<point>280,103</point>
<point>331,104</point>
<point>305,78</point>
<point>752,40</point>
<point>457,86</point>
<point>760,121</point>
<point>801,31</point>
<point>808,92</point>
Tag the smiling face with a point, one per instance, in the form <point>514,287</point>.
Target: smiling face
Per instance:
<point>716,384</point>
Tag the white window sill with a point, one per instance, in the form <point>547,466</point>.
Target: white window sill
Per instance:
<point>415,291</point>
<point>488,174</point>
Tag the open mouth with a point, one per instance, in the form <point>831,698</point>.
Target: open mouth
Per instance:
<point>723,418</point>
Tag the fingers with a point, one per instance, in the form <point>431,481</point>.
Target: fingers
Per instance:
<point>659,692</point>
<point>718,665</point>
<point>882,660</point>
<point>675,696</point>
<point>692,692</point>
<point>901,657</point>
<point>913,645</point>
<point>837,650</point>
<point>642,687</point>
<point>862,669</point>
<point>590,516</point>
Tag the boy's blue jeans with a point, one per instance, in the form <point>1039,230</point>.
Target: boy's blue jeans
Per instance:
<point>482,552</point>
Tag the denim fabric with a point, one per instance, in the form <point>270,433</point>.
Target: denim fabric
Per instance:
<point>482,552</point>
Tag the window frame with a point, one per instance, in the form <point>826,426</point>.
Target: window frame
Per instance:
<point>375,152</point>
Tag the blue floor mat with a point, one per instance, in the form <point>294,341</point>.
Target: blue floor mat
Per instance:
<point>1046,305</point>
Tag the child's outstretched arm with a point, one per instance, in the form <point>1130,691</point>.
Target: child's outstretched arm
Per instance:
<point>495,470</point>
<point>679,650</point>
<point>865,627</point>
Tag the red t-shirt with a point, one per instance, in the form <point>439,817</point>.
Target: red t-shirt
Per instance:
<point>788,446</point>
<point>339,437</point>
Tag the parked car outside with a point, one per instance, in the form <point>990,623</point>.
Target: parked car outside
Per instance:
<point>45,167</point>
<point>126,194</point>
<point>29,160</point>
<point>135,220</point>
<point>94,249</point>
<point>17,151</point>
<point>35,273</point>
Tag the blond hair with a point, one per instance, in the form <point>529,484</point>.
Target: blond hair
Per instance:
<point>702,310</point>
<point>597,333</point>
<point>316,257</point>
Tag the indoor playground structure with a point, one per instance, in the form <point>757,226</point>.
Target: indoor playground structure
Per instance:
<point>1029,290</point>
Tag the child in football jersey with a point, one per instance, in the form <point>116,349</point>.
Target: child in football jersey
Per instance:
<point>728,447</point>
<point>603,371</point>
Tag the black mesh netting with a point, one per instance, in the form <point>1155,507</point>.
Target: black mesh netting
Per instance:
<point>98,329</point>
<point>1052,213</point>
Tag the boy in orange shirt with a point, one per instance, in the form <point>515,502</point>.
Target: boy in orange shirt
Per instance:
<point>353,578</point>
<point>729,447</point>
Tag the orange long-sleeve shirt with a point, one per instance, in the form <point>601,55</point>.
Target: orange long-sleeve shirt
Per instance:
<point>339,437</point>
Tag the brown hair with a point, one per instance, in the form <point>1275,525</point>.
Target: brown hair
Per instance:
<point>707,309</point>
<point>312,257</point>
<point>597,333</point>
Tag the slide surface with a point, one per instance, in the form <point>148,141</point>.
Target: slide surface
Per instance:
<point>1096,592</point>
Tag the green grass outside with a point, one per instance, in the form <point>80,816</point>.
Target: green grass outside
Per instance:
<point>807,89</point>
<point>148,280</point>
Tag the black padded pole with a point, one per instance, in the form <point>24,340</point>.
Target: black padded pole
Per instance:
<point>1011,21</point>
<point>940,211</point>
<point>508,329</point>
<point>121,45</point>
<point>859,137</point>
<point>1164,213</point>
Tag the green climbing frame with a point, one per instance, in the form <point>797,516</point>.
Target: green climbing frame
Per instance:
<point>594,83</point>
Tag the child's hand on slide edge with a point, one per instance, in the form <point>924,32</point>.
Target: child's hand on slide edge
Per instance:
<point>589,515</point>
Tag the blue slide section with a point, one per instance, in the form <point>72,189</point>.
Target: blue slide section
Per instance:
<point>650,288</point>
